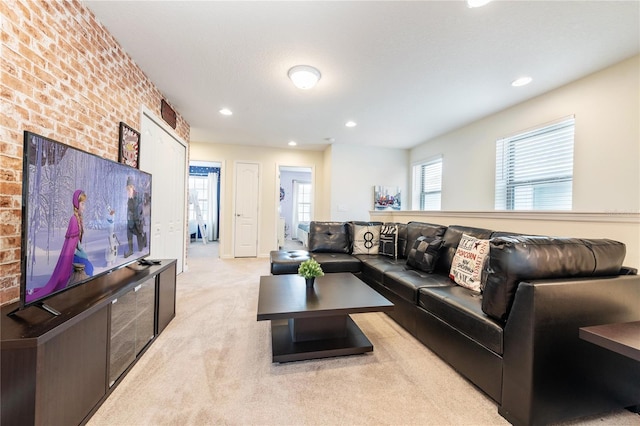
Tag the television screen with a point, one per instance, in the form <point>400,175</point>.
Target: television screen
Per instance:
<point>82,216</point>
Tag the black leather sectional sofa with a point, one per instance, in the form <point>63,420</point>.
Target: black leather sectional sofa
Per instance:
<point>518,339</point>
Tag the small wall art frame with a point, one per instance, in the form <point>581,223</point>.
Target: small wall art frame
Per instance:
<point>129,146</point>
<point>387,198</point>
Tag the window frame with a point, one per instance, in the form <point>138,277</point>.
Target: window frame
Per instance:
<point>521,160</point>
<point>420,196</point>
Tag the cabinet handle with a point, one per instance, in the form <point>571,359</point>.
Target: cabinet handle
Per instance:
<point>138,287</point>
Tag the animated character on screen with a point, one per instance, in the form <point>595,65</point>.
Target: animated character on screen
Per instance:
<point>73,264</point>
<point>111,253</point>
<point>135,218</point>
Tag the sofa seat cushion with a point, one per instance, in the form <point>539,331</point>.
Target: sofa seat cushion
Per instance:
<point>462,309</point>
<point>406,282</point>
<point>287,261</point>
<point>337,262</point>
<point>375,266</point>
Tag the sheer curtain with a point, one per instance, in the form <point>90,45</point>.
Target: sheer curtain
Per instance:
<point>212,211</point>
<point>294,209</point>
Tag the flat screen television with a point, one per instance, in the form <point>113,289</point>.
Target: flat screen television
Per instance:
<point>82,216</point>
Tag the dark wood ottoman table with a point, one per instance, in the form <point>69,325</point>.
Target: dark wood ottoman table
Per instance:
<point>315,323</point>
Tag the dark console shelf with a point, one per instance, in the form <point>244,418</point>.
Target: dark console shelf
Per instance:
<point>55,369</point>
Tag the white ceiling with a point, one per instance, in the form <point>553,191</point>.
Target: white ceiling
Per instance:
<point>404,71</point>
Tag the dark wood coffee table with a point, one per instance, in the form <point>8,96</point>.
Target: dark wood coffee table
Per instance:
<point>315,323</point>
<point>622,338</point>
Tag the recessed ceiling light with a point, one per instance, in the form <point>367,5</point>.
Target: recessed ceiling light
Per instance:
<point>522,81</point>
<point>351,124</point>
<point>226,111</point>
<point>476,3</point>
<point>292,143</point>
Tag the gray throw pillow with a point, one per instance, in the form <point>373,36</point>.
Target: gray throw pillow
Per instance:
<point>424,254</point>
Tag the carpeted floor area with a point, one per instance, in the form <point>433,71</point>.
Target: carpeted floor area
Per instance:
<point>212,366</point>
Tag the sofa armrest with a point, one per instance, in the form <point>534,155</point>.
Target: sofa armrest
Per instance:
<point>549,373</point>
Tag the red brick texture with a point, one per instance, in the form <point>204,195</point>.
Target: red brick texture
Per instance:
<point>62,76</point>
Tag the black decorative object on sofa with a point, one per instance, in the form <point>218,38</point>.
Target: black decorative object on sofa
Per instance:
<point>389,240</point>
<point>424,254</point>
<point>518,340</point>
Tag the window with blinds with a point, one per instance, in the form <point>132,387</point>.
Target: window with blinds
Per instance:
<point>304,202</point>
<point>534,170</point>
<point>427,184</point>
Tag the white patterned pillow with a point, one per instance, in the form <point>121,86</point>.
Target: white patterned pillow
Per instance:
<point>366,239</point>
<point>468,262</point>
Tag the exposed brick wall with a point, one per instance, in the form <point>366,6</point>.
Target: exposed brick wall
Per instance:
<point>63,76</point>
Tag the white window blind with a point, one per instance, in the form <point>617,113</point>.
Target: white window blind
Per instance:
<point>428,184</point>
<point>304,202</point>
<point>534,170</point>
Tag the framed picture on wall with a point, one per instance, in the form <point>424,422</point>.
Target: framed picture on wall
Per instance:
<point>387,198</point>
<point>129,152</point>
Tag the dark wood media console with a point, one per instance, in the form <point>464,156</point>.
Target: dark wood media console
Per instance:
<point>57,370</point>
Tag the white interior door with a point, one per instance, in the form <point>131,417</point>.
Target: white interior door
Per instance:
<point>247,184</point>
<point>164,156</point>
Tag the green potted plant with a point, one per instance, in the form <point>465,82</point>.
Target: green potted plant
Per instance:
<point>310,269</point>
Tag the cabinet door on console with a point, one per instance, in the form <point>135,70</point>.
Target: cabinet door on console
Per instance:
<point>166,297</point>
<point>132,326</point>
<point>74,376</point>
<point>145,313</point>
<point>123,335</point>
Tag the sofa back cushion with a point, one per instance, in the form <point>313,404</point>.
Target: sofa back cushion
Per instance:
<point>450,243</point>
<point>329,237</point>
<point>513,259</point>
<point>402,241</point>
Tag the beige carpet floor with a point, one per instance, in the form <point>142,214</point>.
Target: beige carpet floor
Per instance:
<point>212,366</point>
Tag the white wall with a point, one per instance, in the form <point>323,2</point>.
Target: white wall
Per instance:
<point>620,227</point>
<point>606,172</point>
<point>355,170</point>
<point>606,151</point>
<point>606,192</point>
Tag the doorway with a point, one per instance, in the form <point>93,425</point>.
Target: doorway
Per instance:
<point>295,209</point>
<point>204,201</point>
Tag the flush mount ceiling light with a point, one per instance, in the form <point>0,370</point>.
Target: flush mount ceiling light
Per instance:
<point>522,81</point>
<point>225,111</point>
<point>292,143</point>
<point>476,3</point>
<point>351,124</point>
<point>304,76</point>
